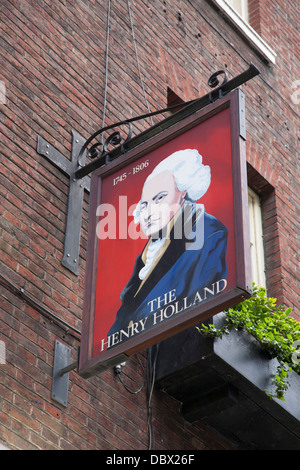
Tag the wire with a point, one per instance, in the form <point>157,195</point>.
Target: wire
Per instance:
<point>137,58</point>
<point>151,368</point>
<point>118,371</point>
<point>151,382</point>
<point>39,308</point>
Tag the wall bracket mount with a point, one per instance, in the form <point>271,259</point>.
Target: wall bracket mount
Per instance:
<point>61,369</point>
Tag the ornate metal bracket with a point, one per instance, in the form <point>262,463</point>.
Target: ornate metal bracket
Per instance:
<point>116,138</point>
<point>102,150</point>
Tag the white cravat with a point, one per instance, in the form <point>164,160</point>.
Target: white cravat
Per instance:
<point>152,251</point>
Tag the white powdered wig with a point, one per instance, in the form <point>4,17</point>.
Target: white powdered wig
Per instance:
<point>189,173</point>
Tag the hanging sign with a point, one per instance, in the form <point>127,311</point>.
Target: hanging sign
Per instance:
<point>168,238</point>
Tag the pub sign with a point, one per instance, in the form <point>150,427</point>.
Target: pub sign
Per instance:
<point>168,237</point>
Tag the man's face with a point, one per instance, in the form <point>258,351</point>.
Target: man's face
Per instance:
<point>160,201</point>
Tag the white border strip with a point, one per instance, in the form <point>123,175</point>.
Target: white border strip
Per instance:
<point>247,30</point>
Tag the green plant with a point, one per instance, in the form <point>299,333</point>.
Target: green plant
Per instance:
<point>271,325</point>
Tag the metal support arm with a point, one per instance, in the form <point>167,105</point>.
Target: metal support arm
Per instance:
<point>124,144</point>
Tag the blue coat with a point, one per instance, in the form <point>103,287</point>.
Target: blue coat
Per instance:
<point>185,270</point>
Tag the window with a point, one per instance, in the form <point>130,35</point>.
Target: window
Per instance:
<point>241,7</point>
<point>256,239</point>
<point>240,13</point>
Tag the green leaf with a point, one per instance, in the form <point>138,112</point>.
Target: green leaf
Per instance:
<point>271,325</point>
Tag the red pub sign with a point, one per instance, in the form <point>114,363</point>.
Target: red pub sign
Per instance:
<point>168,235</point>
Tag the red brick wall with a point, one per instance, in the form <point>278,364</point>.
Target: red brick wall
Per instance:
<point>254,15</point>
<point>53,66</point>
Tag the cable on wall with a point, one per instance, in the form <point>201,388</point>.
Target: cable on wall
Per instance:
<point>71,330</point>
<point>152,354</point>
<point>107,60</point>
<point>137,58</point>
<point>118,370</point>
<point>151,369</point>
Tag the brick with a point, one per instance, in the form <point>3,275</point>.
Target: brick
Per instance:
<point>52,62</point>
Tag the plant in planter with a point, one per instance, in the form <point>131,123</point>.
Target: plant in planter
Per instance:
<point>272,326</point>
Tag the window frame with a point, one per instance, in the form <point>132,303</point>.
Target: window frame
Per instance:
<point>244,13</point>
<point>256,236</point>
<point>247,31</point>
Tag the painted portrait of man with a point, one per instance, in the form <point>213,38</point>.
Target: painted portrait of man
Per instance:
<point>186,247</point>
<point>167,240</point>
